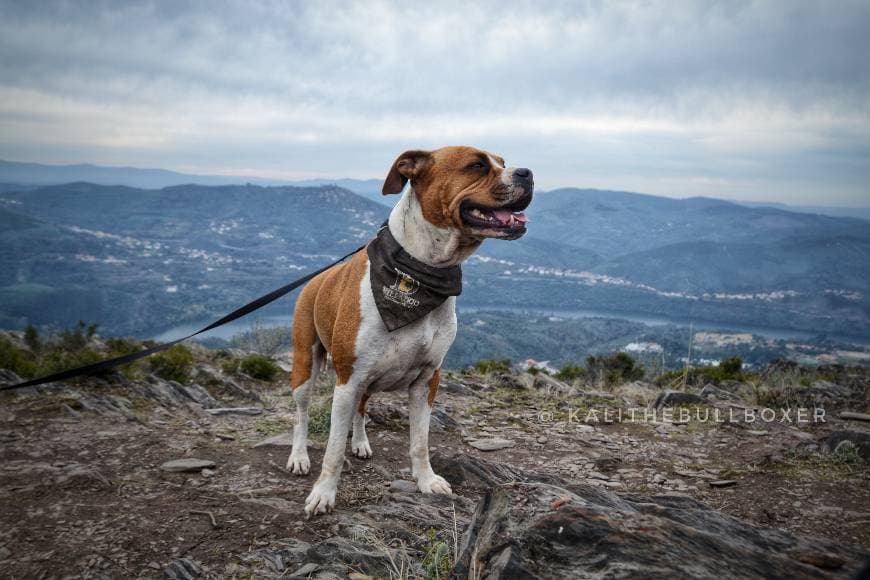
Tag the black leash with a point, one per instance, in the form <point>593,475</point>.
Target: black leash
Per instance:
<point>235,314</point>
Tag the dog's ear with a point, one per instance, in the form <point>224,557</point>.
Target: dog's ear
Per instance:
<point>408,166</point>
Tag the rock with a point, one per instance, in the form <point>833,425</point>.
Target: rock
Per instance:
<point>200,395</point>
<point>836,441</point>
<point>279,440</point>
<point>403,486</point>
<point>598,395</point>
<point>822,560</point>
<point>387,414</point>
<point>355,555</point>
<point>528,530</point>
<point>723,483</point>
<point>108,405</point>
<point>188,464</point>
<point>289,552</point>
<point>544,382</point>
<point>507,381</point>
<point>676,398</point>
<point>239,391</point>
<point>171,394</point>
<point>465,469</point>
<point>276,503</point>
<point>711,391</point>
<point>8,377</point>
<point>493,444</point>
<point>235,411</point>
<point>855,416</point>
<point>183,569</point>
<point>820,394</point>
<point>638,392</point>
<point>441,421</point>
<point>305,571</point>
<point>453,388</point>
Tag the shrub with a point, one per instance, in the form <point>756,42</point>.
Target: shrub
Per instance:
<point>16,359</point>
<point>231,366</point>
<point>173,364</point>
<point>730,367</point>
<point>571,372</point>
<point>119,346</point>
<point>255,366</point>
<point>486,366</point>
<point>259,367</point>
<point>438,560</point>
<point>263,340</point>
<point>77,338</point>
<point>31,338</point>
<point>614,368</point>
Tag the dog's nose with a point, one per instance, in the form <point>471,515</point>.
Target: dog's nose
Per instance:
<point>523,173</point>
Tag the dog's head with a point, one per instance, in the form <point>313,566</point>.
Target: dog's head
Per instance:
<point>466,189</point>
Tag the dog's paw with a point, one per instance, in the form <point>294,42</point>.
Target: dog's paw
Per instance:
<point>298,465</point>
<point>361,449</point>
<point>321,500</point>
<point>432,483</point>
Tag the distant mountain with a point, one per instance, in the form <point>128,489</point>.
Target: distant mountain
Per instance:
<point>835,211</point>
<point>614,223</point>
<point>14,175</point>
<point>143,260</point>
<point>39,174</point>
<point>367,188</point>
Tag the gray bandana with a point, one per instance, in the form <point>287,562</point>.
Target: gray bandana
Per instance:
<point>405,289</point>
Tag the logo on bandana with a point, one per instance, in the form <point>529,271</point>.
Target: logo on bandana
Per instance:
<point>401,290</point>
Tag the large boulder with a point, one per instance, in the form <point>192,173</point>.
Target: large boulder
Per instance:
<point>540,527</point>
<point>676,399</point>
<point>838,441</point>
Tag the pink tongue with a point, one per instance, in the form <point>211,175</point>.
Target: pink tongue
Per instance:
<point>506,217</point>
<point>503,215</point>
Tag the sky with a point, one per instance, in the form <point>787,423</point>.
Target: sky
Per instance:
<point>764,101</point>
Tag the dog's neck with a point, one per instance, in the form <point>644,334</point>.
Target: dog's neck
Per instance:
<point>438,247</point>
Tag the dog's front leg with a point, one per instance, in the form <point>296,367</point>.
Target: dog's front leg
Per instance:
<point>420,399</point>
<point>345,399</point>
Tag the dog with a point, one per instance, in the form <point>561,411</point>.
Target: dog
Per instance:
<point>458,197</point>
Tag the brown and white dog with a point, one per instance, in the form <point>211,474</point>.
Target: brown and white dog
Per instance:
<point>458,197</point>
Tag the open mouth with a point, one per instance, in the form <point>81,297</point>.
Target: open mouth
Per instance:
<point>509,217</point>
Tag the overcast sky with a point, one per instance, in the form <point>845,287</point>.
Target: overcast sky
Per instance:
<point>741,100</point>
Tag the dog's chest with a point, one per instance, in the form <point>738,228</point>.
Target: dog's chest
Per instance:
<point>391,360</point>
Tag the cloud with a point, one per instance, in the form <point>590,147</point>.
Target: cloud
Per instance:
<point>677,98</point>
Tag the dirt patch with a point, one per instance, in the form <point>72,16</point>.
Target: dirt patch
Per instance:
<point>84,494</point>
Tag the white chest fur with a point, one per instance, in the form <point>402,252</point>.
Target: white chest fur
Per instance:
<point>391,360</point>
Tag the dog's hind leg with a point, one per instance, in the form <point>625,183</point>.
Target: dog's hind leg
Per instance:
<point>308,356</point>
<point>421,397</point>
<point>298,462</point>
<point>359,444</point>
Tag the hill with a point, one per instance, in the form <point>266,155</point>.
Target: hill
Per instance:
<point>143,260</point>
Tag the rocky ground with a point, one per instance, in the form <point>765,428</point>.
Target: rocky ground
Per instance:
<point>148,478</point>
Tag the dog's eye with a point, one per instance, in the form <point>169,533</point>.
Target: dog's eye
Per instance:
<point>477,165</point>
